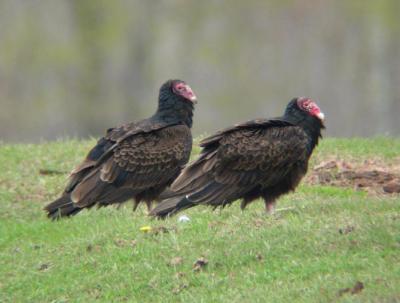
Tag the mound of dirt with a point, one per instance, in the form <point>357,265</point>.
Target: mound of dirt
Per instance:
<point>372,176</point>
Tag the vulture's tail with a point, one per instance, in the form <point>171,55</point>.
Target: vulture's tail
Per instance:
<point>170,207</point>
<point>62,207</point>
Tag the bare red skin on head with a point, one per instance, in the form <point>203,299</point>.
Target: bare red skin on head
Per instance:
<point>184,90</point>
<point>309,106</point>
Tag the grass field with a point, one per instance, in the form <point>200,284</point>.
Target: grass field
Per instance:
<point>298,255</point>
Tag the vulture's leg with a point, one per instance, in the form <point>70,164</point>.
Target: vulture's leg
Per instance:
<point>135,205</point>
<point>149,204</point>
<point>270,207</point>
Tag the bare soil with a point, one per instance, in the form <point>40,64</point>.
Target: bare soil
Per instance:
<point>373,176</point>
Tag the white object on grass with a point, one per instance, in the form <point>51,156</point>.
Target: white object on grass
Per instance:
<point>183,218</point>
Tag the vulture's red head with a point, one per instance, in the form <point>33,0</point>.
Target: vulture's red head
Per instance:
<point>310,107</point>
<point>176,102</point>
<point>176,91</point>
<point>182,89</point>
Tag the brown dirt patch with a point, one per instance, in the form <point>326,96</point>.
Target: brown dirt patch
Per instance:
<point>357,288</point>
<point>373,176</point>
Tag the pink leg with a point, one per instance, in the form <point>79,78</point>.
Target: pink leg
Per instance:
<point>270,207</point>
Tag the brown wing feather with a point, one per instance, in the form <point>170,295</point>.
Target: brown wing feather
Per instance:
<point>143,161</point>
<point>243,159</point>
<point>105,146</point>
<point>195,174</point>
<point>251,124</point>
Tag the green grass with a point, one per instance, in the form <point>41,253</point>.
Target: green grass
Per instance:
<point>101,255</point>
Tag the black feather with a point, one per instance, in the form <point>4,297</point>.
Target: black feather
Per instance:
<point>259,158</point>
<point>134,161</point>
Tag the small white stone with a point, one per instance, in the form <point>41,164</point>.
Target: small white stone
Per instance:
<point>183,218</point>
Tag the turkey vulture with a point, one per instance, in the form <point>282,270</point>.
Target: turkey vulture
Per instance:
<point>256,159</point>
<point>136,160</point>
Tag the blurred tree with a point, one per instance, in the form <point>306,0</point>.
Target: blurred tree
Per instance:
<point>77,67</point>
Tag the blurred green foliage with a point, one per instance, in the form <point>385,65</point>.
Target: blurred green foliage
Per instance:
<point>75,68</point>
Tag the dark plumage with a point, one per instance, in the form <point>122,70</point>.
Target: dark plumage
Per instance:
<point>256,159</point>
<point>136,160</point>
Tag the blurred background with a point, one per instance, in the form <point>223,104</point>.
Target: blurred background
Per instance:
<point>74,68</point>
